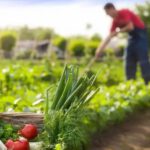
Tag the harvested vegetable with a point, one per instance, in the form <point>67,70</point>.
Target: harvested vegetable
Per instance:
<point>17,145</point>
<point>29,131</point>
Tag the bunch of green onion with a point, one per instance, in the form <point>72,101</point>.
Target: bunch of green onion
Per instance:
<point>72,91</point>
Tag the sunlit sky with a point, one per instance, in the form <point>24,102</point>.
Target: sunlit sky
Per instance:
<point>66,17</point>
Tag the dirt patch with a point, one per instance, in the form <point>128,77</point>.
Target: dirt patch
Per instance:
<point>134,134</point>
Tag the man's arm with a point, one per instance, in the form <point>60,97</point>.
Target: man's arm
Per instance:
<point>102,46</point>
<point>129,27</point>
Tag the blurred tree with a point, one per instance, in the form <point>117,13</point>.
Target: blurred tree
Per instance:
<point>60,42</point>
<point>92,46</point>
<point>43,33</point>
<point>26,33</point>
<point>8,41</point>
<point>144,13</point>
<point>88,26</point>
<point>76,47</point>
<point>96,37</point>
<point>78,37</point>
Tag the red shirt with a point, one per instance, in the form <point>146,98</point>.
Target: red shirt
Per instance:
<point>124,17</point>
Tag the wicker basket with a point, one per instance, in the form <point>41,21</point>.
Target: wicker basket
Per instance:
<point>20,119</point>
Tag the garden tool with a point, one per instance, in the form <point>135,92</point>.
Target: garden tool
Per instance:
<point>89,65</point>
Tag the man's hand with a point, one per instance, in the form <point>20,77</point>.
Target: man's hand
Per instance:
<point>114,33</point>
<point>98,54</point>
<point>102,46</point>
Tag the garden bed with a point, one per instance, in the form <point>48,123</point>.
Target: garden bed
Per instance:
<point>132,134</point>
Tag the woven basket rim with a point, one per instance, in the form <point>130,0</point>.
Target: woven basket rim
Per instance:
<point>20,114</point>
<point>22,118</point>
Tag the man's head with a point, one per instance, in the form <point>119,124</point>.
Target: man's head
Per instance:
<point>110,10</point>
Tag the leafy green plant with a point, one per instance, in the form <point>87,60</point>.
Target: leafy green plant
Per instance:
<point>72,91</point>
<point>7,131</point>
<point>61,122</point>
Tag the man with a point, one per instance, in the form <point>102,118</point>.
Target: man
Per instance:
<point>137,49</point>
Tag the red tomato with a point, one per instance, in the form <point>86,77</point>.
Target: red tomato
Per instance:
<point>29,131</point>
<point>17,145</point>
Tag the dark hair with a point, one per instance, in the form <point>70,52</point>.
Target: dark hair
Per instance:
<point>109,5</point>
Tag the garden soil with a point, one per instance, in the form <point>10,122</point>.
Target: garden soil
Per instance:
<point>133,134</point>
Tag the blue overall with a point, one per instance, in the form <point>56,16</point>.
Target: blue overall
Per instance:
<point>137,52</point>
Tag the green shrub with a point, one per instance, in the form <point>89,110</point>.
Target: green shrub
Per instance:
<point>61,43</point>
<point>92,46</point>
<point>96,37</point>
<point>120,51</point>
<point>8,41</point>
<point>77,47</point>
<point>109,53</point>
